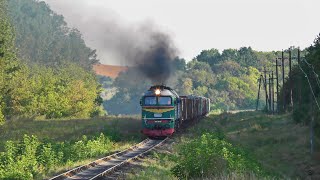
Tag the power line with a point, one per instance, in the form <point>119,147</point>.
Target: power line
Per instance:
<point>315,74</point>
<point>314,96</point>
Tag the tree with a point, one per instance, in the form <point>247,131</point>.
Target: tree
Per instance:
<point>8,64</point>
<point>130,85</point>
<point>229,67</point>
<point>186,87</point>
<point>42,36</point>
<point>211,56</point>
<point>179,64</point>
<point>230,55</point>
<point>247,57</point>
<point>302,89</point>
<point>62,90</point>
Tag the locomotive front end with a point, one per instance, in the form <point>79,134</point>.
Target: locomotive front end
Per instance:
<point>158,111</point>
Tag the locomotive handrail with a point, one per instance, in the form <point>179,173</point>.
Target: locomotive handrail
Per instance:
<point>158,106</point>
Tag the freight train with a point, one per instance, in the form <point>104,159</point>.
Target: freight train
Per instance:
<point>164,111</point>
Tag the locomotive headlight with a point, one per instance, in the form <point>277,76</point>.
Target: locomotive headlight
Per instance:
<point>157,92</point>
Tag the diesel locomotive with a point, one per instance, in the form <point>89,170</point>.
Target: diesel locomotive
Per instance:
<point>163,110</point>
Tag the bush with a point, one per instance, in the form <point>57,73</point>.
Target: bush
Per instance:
<point>210,156</point>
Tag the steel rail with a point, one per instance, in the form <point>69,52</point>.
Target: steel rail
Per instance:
<point>120,156</point>
<point>112,169</point>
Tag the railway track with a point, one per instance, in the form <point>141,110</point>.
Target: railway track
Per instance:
<point>107,165</point>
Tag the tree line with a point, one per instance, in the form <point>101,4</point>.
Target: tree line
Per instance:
<point>43,71</point>
<point>228,78</point>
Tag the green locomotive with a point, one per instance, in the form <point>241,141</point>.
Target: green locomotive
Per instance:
<point>163,110</point>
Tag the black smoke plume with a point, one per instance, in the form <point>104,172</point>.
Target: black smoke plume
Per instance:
<point>155,61</point>
<point>142,45</point>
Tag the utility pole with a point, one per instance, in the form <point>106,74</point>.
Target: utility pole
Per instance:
<point>272,84</point>
<point>265,86</point>
<point>299,80</point>
<point>270,108</point>
<point>283,89</point>
<point>290,81</point>
<point>258,98</point>
<point>277,78</point>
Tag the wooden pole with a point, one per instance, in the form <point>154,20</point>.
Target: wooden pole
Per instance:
<point>272,84</point>
<point>258,98</point>
<point>283,89</point>
<point>270,107</point>
<point>277,78</point>
<point>290,80</point>
<point>299,81</point>
<point>265,86</point>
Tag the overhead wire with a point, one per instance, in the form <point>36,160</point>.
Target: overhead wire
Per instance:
<point>314,96</point>
<point>315,74</point>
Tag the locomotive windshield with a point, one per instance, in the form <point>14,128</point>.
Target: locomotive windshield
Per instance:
<point>151,100</point>
<point>164,101</point>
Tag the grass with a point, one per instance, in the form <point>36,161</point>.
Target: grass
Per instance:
<point>117,128</point>
<point>278,144</point>
<point>157,166</point>
<point>163,162</point>
<point>122,131</point>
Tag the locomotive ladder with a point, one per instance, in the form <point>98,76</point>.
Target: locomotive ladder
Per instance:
<point>107,165</point>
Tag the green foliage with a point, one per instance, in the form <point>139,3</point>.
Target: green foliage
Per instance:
<point>211,56</point>
<point>302,95</point>
<point>42,36</point>
<point>228,85</point>
<point>62,90</point>
<point>2,120</point>
<point>8,63</point>
<point>229,79</point>
<point>70,91</point>
<point>245,57</point>
<point>209,156</point>
<point>31,158</point>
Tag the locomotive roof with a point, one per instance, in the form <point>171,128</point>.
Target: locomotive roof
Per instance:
<point>164,91</point>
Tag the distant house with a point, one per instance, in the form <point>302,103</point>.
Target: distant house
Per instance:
<point>108,70</point>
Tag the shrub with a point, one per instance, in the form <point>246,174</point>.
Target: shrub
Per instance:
<point>209,156</point>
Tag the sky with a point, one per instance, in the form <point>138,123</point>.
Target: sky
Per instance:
<point>196,25</point>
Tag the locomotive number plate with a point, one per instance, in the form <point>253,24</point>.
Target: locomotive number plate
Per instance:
<point>157,115</point>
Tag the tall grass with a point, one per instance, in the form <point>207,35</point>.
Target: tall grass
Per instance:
<point>31,159</point>
<point>36,149</point>
<point>211,155</point>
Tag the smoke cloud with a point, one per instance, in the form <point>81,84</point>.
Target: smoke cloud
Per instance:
<point>143,45</point>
